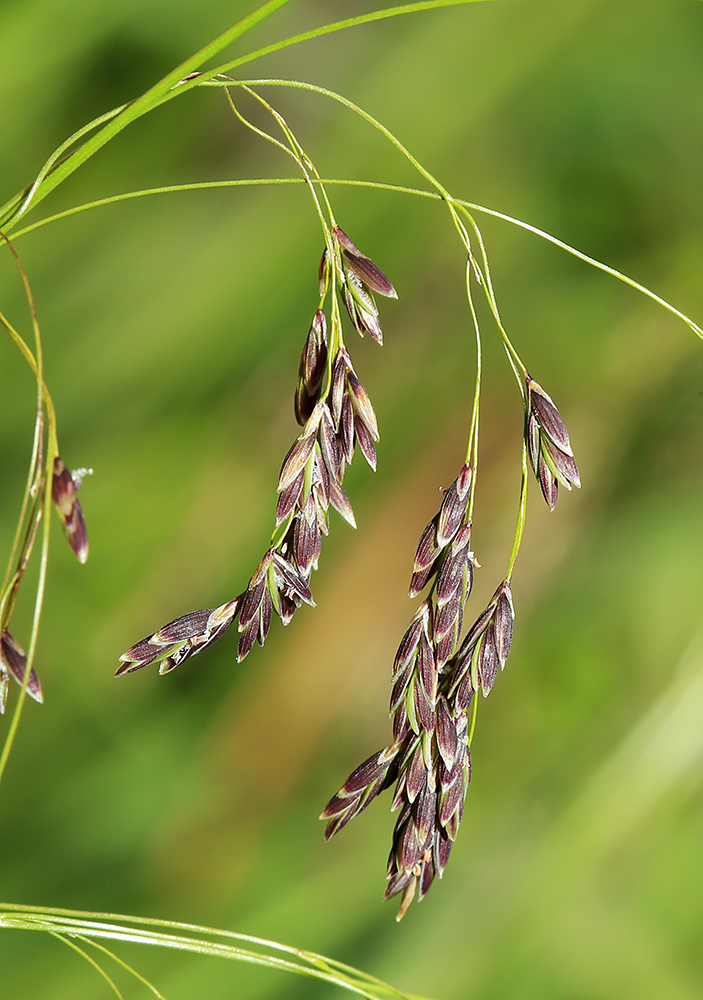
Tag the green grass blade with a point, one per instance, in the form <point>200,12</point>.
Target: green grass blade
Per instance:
<point>151,99</point>
<point>86,926</point>
<point>163,90</point>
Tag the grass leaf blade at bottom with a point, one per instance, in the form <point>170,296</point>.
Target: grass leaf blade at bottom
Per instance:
<point>86,925</point>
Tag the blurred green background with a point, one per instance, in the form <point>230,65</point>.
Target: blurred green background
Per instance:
<point>172,330</point>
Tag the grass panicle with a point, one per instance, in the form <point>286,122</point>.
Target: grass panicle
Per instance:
<point>436,674</point>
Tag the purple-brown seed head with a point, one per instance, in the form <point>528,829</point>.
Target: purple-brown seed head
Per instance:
<point>63,493</point>
<point>548,444</point>
<point>13,660</point>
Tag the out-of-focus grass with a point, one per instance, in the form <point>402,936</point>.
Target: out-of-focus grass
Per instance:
<point>172,331</point>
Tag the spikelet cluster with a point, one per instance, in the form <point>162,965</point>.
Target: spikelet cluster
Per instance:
<point>13,663</point>
<point>64,487</point>
<point>433,684</point>
<point>548,444</point>
<point>335,414</point>
<point>435,677</point>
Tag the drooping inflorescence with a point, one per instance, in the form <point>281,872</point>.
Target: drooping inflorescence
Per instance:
<point>435,679</point>
<point>548,444</point>
<point>335,414</point>
<point>429,758</point>
<point>64,486</point>
<point>13,662</point>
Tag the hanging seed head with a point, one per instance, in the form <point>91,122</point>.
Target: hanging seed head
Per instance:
<point>360,278</point>
<point>431,690</point>
<point>63,493</point>
<point>453,509</point>
<point>548,444</point>
<point>180,639</point>
<point>447,524</point>
<point>433,776</point>
<point>485,648</point>
<point>364,268</point>
<point>13,659</point>
<point>362,309</point>
<point>432,766</point>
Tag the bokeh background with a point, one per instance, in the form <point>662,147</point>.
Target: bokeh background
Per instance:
<point>172,331</point>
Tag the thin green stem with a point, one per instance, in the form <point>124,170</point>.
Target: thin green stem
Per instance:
<point>259,131</point>
<point>520,373</point>
<point>472,447</point>
<point>473,719</point>
<point>73,921</point>
<point>588,260</point>
<point>317,967</point>
<point>32,489</point>
<point>28,490</point>
<point>206,185</point>
<point>9,596</point>
<point>441,190</point>
<point>377,186</point>
<point>521,514</point>
<point>39,358</point>
<point>304,161</point>
<point>167,189</point>
<point>303,157</point>
<point>89,960</point>
<point>125,965</point>
<point>175,83</point>
<point>445,196</point>
<point>300,85</point>
<point>38,604</point>
<point>58,153</point>
<point>151,99</point>
<point>294,149</point>
<point>44,510</point>
<point>26,352</point>
<point>485,278</point>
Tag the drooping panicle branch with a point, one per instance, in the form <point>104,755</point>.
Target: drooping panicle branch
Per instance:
<point>335,414</point>
<point>429,758</point>
<point>436,675</point>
